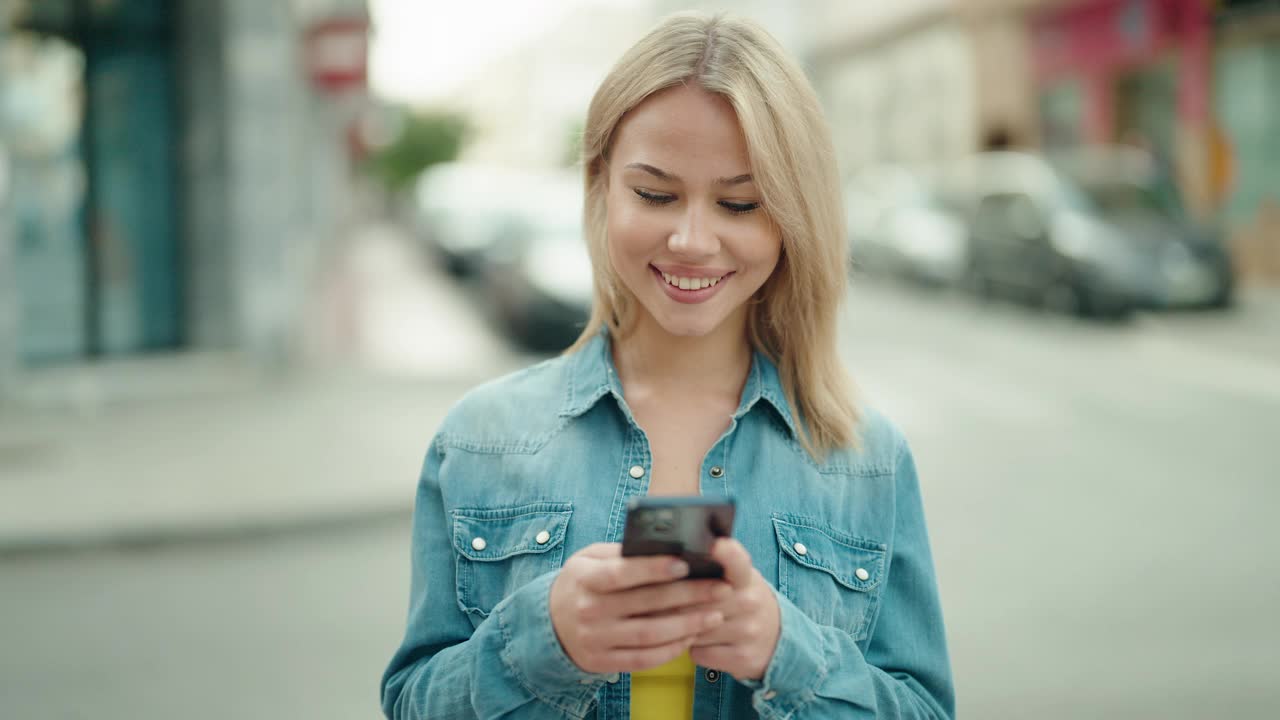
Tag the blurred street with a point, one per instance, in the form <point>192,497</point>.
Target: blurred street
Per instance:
<point>1082,482</point>
<point>251,253</point>
<point>204,444</point>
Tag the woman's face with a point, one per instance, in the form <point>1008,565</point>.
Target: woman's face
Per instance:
<point>687,233</point>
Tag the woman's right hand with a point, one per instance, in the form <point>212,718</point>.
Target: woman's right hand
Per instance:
<point>615,614</point>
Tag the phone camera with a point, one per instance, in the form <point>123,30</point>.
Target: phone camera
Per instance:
<point>661,522</point>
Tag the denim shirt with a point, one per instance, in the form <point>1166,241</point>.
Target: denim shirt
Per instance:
<point>532,467</point>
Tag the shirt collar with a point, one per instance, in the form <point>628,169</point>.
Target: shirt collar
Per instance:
<point>593,375</point>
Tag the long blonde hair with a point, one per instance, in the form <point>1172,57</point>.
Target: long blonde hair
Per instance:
<point>793,318</point>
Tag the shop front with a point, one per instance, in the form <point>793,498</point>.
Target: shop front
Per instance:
<point>1247,98</point>
<point>88,114</point>
<point>1134,72</point>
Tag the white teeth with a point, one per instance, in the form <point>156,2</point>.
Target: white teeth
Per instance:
<point>689,283</point>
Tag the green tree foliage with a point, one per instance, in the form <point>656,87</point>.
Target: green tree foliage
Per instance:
<point>571,156</point>
<point>424,139</point>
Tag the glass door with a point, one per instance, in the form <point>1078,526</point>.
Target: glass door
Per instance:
<point>88,111</point>
<point>41,120</point>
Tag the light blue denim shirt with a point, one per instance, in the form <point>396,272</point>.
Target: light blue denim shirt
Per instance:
<point>532,467</point>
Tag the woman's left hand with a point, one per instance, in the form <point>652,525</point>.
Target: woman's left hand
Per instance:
<point>744,643</point>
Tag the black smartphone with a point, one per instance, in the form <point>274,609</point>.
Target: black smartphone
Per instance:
<point>681,526</point>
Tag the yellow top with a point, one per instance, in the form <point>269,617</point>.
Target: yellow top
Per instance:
<point>664,692</point>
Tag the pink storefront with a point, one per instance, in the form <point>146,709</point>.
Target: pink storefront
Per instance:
<point>1128,71</point>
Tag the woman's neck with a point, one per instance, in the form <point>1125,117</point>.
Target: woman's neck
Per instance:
<point>654,363</point>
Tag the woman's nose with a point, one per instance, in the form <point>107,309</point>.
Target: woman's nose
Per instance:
<point>694,236</point>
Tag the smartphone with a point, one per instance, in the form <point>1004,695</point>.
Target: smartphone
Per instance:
<point>681,526</point>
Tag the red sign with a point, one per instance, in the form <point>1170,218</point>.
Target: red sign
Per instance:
<point>337,54</point>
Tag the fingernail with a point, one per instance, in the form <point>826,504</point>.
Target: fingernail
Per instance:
<point>714,618</point>
<point>679,568</point>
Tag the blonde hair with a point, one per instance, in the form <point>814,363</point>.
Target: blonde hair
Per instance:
<point>793,318</point>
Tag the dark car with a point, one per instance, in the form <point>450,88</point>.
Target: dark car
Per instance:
<point>537,274</point>
<point>1087,234</point>
<point>1186,263</point>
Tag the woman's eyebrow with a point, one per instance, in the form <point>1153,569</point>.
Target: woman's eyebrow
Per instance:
<point>664,175</point>
<point>660,174</point>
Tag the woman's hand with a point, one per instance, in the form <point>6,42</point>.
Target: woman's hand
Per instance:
<point>616,614</point>
<point>744,643</point>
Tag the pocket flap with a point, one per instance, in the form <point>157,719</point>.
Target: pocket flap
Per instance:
<point>856,563</point>
<point>491,534</point>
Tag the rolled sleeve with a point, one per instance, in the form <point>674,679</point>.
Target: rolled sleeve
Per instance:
<point>533,654</point>
<point>819,671</point>
<point>511,665</point>
<point>798,666</point>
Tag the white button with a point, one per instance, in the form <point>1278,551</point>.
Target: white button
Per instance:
<point>479,544</point>
<point>613,678</point>
<point>544,536</point>
<point>801,549</point>
<point>637,472</point>
<point>771,694</point>
<point>862,574</point>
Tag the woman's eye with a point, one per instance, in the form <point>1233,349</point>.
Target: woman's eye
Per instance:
<point>654,198</point>
<point>739,208</point>
<point>735,208</point>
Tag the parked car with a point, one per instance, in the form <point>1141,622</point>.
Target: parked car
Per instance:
<point>1187,263</point>
<point>537,273</point>
<point>900,227</point>
<point>864,204</point>
<point>1081,235</point>
<point>457,211</point>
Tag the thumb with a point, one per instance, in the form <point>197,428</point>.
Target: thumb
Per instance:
<point>738,570</point>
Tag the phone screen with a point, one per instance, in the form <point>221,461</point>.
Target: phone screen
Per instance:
<point>684,527</point>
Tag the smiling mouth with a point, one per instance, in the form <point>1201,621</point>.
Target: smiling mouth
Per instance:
<point>691,284</point>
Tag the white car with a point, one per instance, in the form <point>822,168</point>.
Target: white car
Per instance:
<point>899,226</point>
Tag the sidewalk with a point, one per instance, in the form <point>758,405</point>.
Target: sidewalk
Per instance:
<point>157,448</point>
<point>261,456</point>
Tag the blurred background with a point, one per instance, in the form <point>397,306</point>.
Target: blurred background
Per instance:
<point>252,250</point>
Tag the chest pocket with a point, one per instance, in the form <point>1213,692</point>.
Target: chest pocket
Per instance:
<point>834,578</point>
<point>499,550</point>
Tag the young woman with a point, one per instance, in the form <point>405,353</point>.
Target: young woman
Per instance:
<point>714,223</point>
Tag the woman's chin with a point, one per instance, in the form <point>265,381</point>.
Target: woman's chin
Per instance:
<point>684,321</point>
<point>690,327</point>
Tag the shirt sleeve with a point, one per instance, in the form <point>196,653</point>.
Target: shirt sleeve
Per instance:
<point>819,671</point>
<point>511,666</point>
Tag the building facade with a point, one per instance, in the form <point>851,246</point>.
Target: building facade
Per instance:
<point>1196,82</point>
<point>1131,71</point>
<point>903,83</point>
<point>1246,98</point>
<point>174,174</point>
